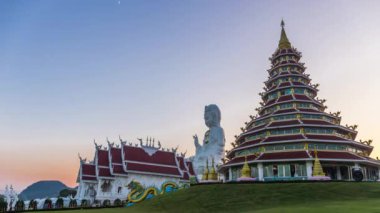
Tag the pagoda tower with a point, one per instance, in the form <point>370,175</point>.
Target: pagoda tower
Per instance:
<point>290,119</point>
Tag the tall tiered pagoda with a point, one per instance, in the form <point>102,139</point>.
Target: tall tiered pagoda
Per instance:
<point>291,127</point>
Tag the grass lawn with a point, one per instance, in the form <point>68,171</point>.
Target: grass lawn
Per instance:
<point>264,198</point>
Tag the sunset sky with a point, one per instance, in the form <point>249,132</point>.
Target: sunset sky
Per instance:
<point>72,71</point>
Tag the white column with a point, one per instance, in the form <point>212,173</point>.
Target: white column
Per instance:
<point>357,166</point>
<point>309,168</point>
<point>338,173</point>
<point>349,172</point>
<point>229,174</point>
<point>260,171</point>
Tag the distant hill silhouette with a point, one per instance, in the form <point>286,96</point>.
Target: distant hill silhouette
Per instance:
<point>42,189</point>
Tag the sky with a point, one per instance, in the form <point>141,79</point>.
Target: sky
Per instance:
<point>72,71</point>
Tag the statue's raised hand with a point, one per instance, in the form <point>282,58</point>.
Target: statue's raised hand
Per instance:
<point>196,141</point>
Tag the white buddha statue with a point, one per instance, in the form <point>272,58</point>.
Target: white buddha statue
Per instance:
<point>213,142</point>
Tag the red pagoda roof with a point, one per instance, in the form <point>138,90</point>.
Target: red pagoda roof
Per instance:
<point>271,102</point>
<point>302,97</point>
<point>257,128</point>
<point>284,155</point>
<point>282,111</point>
<point>316,122</point>
<point>296,83</point>
<point>241,159</point>
<point>284,84</point>
<point>285,98</point>
<point>336,155</point>
<point>250,143</point>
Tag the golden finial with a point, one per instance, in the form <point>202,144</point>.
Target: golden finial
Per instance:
<point>212,175</point>
<point>205,174</point>
<point>284,42</point>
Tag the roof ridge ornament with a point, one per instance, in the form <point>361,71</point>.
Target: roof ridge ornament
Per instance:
<point>97,146</point>
<point>149,147</point>
<point>82,160</point>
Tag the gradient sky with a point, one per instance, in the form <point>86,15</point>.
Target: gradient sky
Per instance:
<point>76,70</point>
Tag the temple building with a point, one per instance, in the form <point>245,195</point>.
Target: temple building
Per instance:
<point>292,132</point>
<point>124,172</point>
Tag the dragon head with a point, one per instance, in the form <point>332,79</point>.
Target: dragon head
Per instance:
<point>134,185</point>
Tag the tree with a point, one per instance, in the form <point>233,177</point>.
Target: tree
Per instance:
<point>3,205</point>
<point>67,192</point>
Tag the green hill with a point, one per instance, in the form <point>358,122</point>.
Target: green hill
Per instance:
<point>259,198</point>
<point>42,189</point>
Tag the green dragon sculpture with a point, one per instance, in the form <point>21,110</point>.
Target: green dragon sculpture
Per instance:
<point>138,193</point>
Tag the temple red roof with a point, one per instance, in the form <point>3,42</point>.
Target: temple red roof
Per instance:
<point>159,157</point>
<point>103,165</point>
<point>103,159</point>
<point>153,169</point>
<point>183,167</point>
<point>117,161</point>
<point>159,163</point>
<point>88,169</point>
<point>191,169</point>
<point>104,172</point>
<point>88,172</point>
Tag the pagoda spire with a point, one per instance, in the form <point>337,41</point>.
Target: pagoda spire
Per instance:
<point>284,42</point>
<point>317,169</point>
<point>245,171</point>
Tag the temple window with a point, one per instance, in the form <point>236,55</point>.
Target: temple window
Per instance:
<point>285,131</point>
<point>319,131</point>
<point>299,91</point>
<point>311,116</point>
